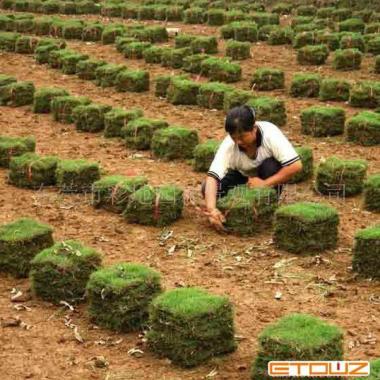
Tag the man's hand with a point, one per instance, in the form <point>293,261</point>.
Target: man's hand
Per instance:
<point>256,182</point>
<point>216,218</point>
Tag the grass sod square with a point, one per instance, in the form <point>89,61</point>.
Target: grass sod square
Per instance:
<point>6,23</point>
<point>194,15</point>
<point>204,154</point>
<point>265,18</point>
<point>154,54</point>
<point>87,7</point>
<point>32,171</point>
<point>92,32</point>
<point>132,81</point>
<point>135,50</point>
<point>373,46</point>
<point>322,121</point>
<point>190,326</point>
<point>112,192</point>
<point>57,42</point>
<point>235,15</point>
<point>118,118</point>
<point>6,79</point>
<point>90,117</point>
<point>110,33</point>
<point>42,25</point>
<point>174,142</point>
<point>215,17</point>
<point>193,63</point>
<point>304,38</point>
<point>305,85</point>
<point>267,79</point>
<point>244,31</point>
<point>297,337</point>
<point>70,61</point>
<point>306,227</point>
<point>306,10</point>
<point>20,241</point>
<point>373,27</point>
<point>72,30</point>
<point>111,10</point>
<point>372,193</point>
<point>77,176</point>
<point>68,8</point>
<point>313,55</point>
<point>236,97</point>
<point>42,53</point>
<point>247,210</point>
<point>50,6</point>
<point>283,8</point>
<point>265,31</point>
<point>365,94</point>
<point>174,13</point>
<point>61,272</point>
<point>24,25</point>
<point>269,109</point>
<point>204,44</point>
<point>238,50</point>
<point>122,41</point>
<point>162,83</point>
<point>86,69</point>
<point>211,95</point>
<point>341,14</point>
<point>138,133</point>
<point>331,40</point>
<point>14,146</point>
<point>62,107</point>
<point>306,155</point>
<point>119,296</point>
<point>347,59</point>
<point>183,91</point>
<point>352,25</point>
<point>366,252</point>
<point>364,128</point>
<point>353,41</point>
<point>155,206</point>
<point>56,56</point>
<point>17,94</point>
<point>129,11</point>
<point>106,74</point>
<point>281,36</point>
<point>8,41</point>
<point>174,57</point>
<point>26,45</point>
<point>377,64</point>
<point>334,89</point>
<point>341,177</point>
<point>221,70</point>
<point>183,40</point>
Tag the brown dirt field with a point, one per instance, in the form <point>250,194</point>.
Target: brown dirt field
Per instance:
<point>241,267</point>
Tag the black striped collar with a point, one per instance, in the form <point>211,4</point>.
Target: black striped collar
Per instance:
<point>259,135</point>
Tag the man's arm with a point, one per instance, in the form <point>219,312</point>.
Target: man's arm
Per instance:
<point>216,218</point>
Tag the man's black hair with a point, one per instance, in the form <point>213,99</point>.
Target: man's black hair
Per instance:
<point>240,119</point>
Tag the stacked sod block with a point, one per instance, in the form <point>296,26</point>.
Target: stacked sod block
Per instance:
<point>204,44</point>
<point>305,85</point>
<point>61,272</point>
<point>118,118</point>
<point>306,10</point>
<point>90,117</point>
<point>32,171</point>
<point>174,57</point>
<point>106,74</point>
<point>221,70</point>
<point>42,53</point>
<point>155,206</point>
<point>56,56</point>
<point>44,96</point>
<point>132,81</point>
<point>297,337</point>
<point>238,50</point>
<point>174,13</point>
<point>72,29</point>
<point>235,15</point>
<point>347,59</point>
<point>372,193</point>
<point>6,23</point>
<point>336,176</point>
<point>77,176</point>
<point>204,154</point>
<point>247,210</point>
<point>365,94</point>
<point>174,142</point>
<point>190,326</point>
<point>86,69</point>
<point>20,241</point>
<point>183,40</point>
<point>182,91</point>
<point>377,64</point>
<point>194,15</point>
<point>366,252</point>
<point>110,33</point>
<point>62,107</point>
<point>193,63</point>
<point>265,18</point>
<point>17,94</point>
<point>138,132</point>
<point>92,32</point>
<point>306,155</point>
<point>211,95</point>
<point>111,10</point>
<point>243,31</point>
<point>154,54</point>
<point>135,50</point>
<point>280,36</point>
<point>306,227</point>
<point>50,7</point>
<point>215,17</point>
<point>373,27</point>
<point>304,38</point>
<point>313,55</point>
<point>269,109</point>
<point>112,192</point>
<point>8,41</point>
<point>373,45</point>
<point>119,296</point>
<point>334,89</point>
<point>332,40</point>
<point>236,97</point>
<point>162,83</point>
<point>364,128</point>
<point>341,14</point>
<point>15,146</point>
<point>69,62</point>
<point>42,25</point>
<point>283,8</point>
<point>26,44</point>
<point>352,41</point>
<point>352,25</point>
<point>322,121</point>
<point>6,79</point>
<point>122,41</point>
<point>267,79</point>
<point>264,32</point>
<point>87,7</point>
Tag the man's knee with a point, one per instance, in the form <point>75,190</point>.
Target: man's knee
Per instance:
<point>268,167</point>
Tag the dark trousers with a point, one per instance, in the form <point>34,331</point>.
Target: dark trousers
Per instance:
<point>234,178</point>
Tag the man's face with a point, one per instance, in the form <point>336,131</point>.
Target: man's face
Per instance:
<point>244,140</point>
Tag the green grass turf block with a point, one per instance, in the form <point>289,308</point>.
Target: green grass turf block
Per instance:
<point>215,17</point>
<point>43,97</point>
<point>174,13</point>
<point>353,41</point>
<point>77,176</point>
<point>306,10</point>
<point>129,11</point>
<point>193,63</point>
<point>8,41</point>
<point>119,296</point>
<point>90,117</point>
<point>24,25</point>
<point>111,10</point>
<point>238,50</point>
<point>87,7</point>
<point>138,132</point>
<point>322,121</point>
<point>265,18</point>
<point>373,45</point>
<point>92,32</point>
<point>204,44</point>
<point>17,94</point>
<point>14,146</point>
<point>364,128</point>
<point>68,8</point>
<point>365,94</point>
<point>377,64</point>
<point>162,83</point>
<point>269,109</point>
<point>135,50</point>
<point>194,15</point>
<point>221,70</point>
<point>281,36</point>
<point>189,326</point>
<point>42,53</point>
<point>155,206</point>
<point>20,241</point>
<point>341,177</point>
<point>72,30</point>
<point>61,272</point>
<point>204,154</point>
<point>112,192</point>
<point>243,31</point>
<point>110,33</point>
<point>56,27</point>
<point>267,79</point>
<point>305,85</point>
<point>6,23</point>
<point>106,74</point>
<point>282,8</point>
<point>35,6</point>
<point>174,57</point>
<point>154,54</point>
<point>20,5</point>
<point>86,69</point>
<point>183,91</point>
<point>211,95</point>
<point>331,40</point>
<point>156,34</point>
<point>247,210</point>
<point>347,59</point>
<point>42,25</point>
<point>160,12</point>
<point>321,25</point>
<point>264,32</point>
<point>47,41</point>
<point>366,252</point>
<point>341,14</point>
<point>372,28</point>
<point>174,142</point>
<point>236,97</point>
<point>122,41</point>
<point>6,79</point>
<point>313,55</point>
<point>304,39</point>
<point>372,193</point>
<point>56,56</point>
<point>50,6</point>
<point>69,62</point>
<point>352,25</point>
<point>297,337</point>
<point>306,155</point>
<point>334,89</point>
<point>32,171</point>
<point>306,227</point>
<point>62,107</point>
<point>26,44</point>
<point>364,14</point>
<point>118,118</point>
<point>183,40</point>
<point>235,15</point>
<point>146,12</point>
<point>132,81</point>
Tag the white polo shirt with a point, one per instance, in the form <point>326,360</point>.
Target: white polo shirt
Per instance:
<point>271,142</point>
